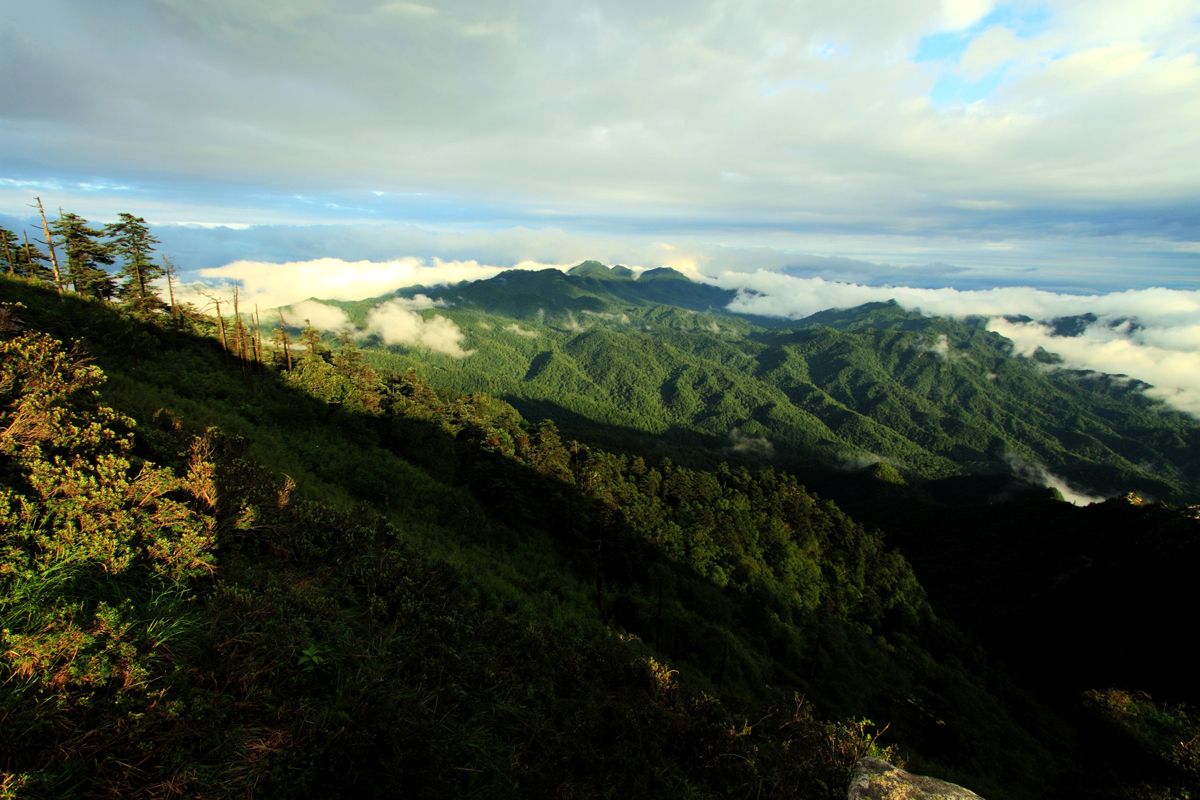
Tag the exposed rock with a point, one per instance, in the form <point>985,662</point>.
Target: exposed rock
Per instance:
<point>874,779</point>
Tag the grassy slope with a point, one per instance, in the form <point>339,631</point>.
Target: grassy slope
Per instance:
<point>459,645</point>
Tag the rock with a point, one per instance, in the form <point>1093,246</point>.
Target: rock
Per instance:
<point>874,779</point>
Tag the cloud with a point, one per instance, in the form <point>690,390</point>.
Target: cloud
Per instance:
<point>940,347</point>
<point>1036,473</point>
<point>519,331</point>
<point>272,285</point>
<point>778,118</point>
<point>1173,373</point>
<point>1162,349</point>
<point>745,444</point>
<point>419,302</point>
<point>321,316</point>
<point>852,462</point>
<point>395,323</point>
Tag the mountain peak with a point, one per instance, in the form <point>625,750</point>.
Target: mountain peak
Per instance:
<point>597,270</point>
<point>664,274</point>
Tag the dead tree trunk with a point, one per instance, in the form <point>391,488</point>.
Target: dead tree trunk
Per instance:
<point>50,244</point>
<point>283,337</point>
<point>221,326</point>
<point>262,359</point>
<point>239,330</point>
<point>169,269</point>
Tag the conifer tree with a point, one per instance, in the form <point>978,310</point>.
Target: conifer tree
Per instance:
<point>8,243</point>
<point>31,262</point>
<point>133,243</point>
<point>87,256</point>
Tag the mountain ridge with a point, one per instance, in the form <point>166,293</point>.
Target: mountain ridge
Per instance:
<point>932,397</point>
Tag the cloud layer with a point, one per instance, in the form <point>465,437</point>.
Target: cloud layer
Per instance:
<point>271,285</point>
<point>969,126</point>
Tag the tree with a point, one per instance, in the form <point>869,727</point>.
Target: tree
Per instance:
<point>132,241</point>
<point>87,256</point>
<point>31,262</point>
<point>8,243</point>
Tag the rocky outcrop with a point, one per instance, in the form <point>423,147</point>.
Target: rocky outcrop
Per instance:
<point>874,779</point>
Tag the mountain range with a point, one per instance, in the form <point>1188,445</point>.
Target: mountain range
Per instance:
<point>655,362</point>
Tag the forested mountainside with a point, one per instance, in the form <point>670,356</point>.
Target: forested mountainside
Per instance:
<point>911,398</point>
<point>220,578</point>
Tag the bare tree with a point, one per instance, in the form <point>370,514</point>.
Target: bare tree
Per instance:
<point>169,269</point>
<point>50,244</point>
<point>283,338</point>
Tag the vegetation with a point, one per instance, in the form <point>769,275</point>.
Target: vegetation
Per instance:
<point>326,576</point>
<point>928,398</point>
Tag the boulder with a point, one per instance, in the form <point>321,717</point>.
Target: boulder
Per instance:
<point>874,779</point>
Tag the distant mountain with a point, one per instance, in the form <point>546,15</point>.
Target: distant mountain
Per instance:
<point>657,361</point>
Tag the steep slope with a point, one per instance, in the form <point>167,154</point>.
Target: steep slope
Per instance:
<point>429,595</point>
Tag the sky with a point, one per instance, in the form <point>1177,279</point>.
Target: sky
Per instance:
<point>961,156</point>
<point>933,143</point>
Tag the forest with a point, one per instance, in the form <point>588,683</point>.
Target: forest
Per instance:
<point>319,566</point>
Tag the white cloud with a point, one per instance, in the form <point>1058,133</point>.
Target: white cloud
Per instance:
<point>395,323</point>
<point>745,444</point>
<point>419,302</point>
<point>1038,474</point>
<point>321,316</point>
<point>960,14</point>
<point>940,347</point>
<point>1173,373</point>
<point>519,331</point>
<point>272,285</point>
<point>817,111</point>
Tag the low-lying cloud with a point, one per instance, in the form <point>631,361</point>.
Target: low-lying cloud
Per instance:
<point>1036,473</point>
<point>278,284</point>
<point>321,316</point>
<point>1148,334</point>
<point>1174,375</point>
<point>394,322</point>
<point>519,331</point>
<point>745,444</point>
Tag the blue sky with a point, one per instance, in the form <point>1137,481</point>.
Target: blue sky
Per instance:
<point>930,143</point>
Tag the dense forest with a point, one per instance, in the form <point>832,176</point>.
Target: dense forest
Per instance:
<point>237,568</point>
<point>908,397</point>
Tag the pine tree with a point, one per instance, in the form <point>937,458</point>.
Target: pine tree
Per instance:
<point>31,262</point>
<point>9,244</point>
<point>86,256</point>
<point>132,241</point>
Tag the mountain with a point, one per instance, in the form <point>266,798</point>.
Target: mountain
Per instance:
<point>219,577</point>
<point>657,363</point>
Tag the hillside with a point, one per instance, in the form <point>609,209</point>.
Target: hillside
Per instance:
<point>656,365</point>
<point>215,583</point>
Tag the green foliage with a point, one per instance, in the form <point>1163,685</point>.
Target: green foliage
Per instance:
<point>1168,736</point>
<point>87,256</point>
<point>132,242</point>
<point>405,590</point>
<point>929,398</point>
